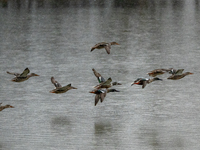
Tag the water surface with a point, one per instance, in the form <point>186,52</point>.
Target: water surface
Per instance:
<point>56,41</point>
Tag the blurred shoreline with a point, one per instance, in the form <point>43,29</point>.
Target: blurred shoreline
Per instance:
<point>88,3</point>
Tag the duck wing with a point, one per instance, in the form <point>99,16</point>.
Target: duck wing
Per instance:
<point>56,84</point>
<point>144,84</point>
<point>106,83</point>
<point>179,71</point>
<point>98,75</point>
<point>102,96</point>
<point>15,74</point>
<point>97,97</point>
<point>24,73</point>
<point>108,47</point>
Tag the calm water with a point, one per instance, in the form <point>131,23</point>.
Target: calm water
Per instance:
<point>56,41</point>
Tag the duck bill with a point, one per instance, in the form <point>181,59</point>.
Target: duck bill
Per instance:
<point>117,44</point>
<point>37,75</point>
<point>135,83</point>
<point>191,73</point>
<point>91,92</point>
<point>52,91</point>
<point>12,107</point>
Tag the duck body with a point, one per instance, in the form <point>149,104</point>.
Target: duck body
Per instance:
<point>101,94</point>
<point>144,81</point>
<point>59,89</point>
<point>6,106</point>
<point>107,84</point>
<point>179,76</point>
<point>23,76</point>
<point>105,45</point>
<point>62,89</point>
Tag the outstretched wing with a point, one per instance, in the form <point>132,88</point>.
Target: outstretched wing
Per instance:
<point>108,47</point>
<point>179,72</point>
<point>108,82</point>
<point>102,96</point>
<point>98,75</point>
<point>144,84</point>
<point>15,74</point>
<point>96,99</point>
<point>25,72</point>
<point>56,84</point>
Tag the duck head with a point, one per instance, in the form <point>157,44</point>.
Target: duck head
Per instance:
<point>114,43</point>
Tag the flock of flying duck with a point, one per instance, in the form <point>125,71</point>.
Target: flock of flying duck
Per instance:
<point>103,87</point>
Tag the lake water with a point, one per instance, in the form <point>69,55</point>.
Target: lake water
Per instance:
<point>55,40</point>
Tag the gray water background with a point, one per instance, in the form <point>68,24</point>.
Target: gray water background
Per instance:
<point>54,39</point>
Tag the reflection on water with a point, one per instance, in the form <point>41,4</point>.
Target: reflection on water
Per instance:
<point>54,38</point>
<point>151,136</point>
<point>1,146</point>
<point>61,121</point>
<point>61,124</point>
<point>106,135</point>
<point>155,139</point>
<point>103,127</point>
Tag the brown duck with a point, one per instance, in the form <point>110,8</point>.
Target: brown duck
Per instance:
<point>23,76</point>
<point>105,45</point>
<point>101,94</point>
<point>59,88</point>
<point>179,76</point>
<point>6,106</point>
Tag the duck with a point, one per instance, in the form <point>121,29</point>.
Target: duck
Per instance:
<point>23,76</point>
<point>101,94</point>
<point>144,81</point>
<point>6,106</point>
<point>98,75</point>
<point>59,89</point>
<point>179,76</point>
<point>156,72</point>
<point>105,45</point>
<point>107,84</point>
